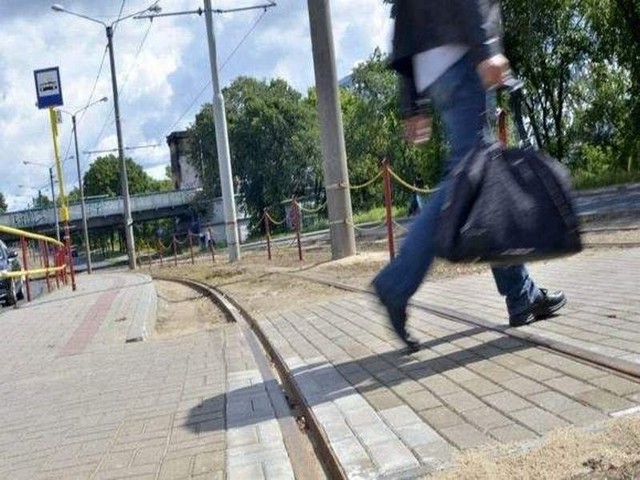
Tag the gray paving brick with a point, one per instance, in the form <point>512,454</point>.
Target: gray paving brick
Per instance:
<point>353,458</point>
<point>605,401</point>
<point>392,456</point>
<point>465,436</point>
<point>539,420</point>
<point>422,400</point>
<point>486,418</point>
<point>435,454</point>
<point>117,460</point>
<point>523,386</point>
<point>583,416</point>
<point>506,401</point>
<point>144,471</point>
<point>440,385</point>
<point>377,432</point>
<point>481,387</point>
<point>246,435</point>
<point>255,454</point>
<point>617,385</point>
<point>462,401</point>
<point>538,372</point>
<point>441,417</point>
<point>246,472</point>
<point>568,385</point>
<point>278,469</point>
<point>208,462</point>
<point>554,401</point>
<point>382,399</point>
<point>512,433</point>
<point>175,469</point>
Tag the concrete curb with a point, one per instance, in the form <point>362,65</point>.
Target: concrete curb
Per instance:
<point>144,318</point>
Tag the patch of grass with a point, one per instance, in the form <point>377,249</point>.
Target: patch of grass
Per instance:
<point>377,214</point>
<point>584,181</point>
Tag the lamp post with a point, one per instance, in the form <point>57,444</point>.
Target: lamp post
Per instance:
<point>124,183</point>
<point>85,229</point>
<point>53,194</point>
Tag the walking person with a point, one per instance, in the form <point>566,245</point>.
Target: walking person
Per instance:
<point>450,52</point>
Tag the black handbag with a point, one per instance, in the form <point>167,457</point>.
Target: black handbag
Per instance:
<point>508,205</point>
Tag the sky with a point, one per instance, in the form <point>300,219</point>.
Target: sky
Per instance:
<point>162,69</point>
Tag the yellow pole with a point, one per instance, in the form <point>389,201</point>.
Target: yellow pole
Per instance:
<point>64,210</point>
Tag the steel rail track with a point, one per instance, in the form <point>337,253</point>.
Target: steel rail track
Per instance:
<point>300,458</point>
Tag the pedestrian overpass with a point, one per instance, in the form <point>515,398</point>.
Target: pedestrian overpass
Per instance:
<point>108,211</point>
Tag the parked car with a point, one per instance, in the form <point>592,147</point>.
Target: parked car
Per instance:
<point>11,289</point>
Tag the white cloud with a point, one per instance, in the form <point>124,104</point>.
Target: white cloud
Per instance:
<point>156,87</point>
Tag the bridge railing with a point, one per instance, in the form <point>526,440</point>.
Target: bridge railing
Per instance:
<point>101,207</point>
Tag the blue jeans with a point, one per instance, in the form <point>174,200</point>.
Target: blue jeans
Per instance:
<point>461,101</point>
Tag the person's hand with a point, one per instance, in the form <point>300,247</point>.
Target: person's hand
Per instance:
<point>417,129</point>
<point>494,71</point>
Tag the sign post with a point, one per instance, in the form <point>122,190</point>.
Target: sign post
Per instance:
<point>49,94</point>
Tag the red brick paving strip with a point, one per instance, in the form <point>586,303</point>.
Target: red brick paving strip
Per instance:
<point>90,325</point>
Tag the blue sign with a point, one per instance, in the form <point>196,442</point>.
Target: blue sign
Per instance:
<point>48,87</point>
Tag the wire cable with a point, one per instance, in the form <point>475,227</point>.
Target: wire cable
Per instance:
<point>93,91</point>
<point>124,83</point>
<point>224,64</point>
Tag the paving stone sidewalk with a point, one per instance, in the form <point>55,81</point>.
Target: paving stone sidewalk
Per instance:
<point>388,415</point>
<point>77,401</point>
<point>602,314</point>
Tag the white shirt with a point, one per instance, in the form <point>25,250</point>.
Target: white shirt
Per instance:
<point>429,65</point>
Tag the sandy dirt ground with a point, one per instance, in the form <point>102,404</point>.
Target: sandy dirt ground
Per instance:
<point>265,285</point>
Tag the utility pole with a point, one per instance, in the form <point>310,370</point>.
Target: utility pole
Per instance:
<point>336,175</point>
<point>222,144</point>
<point>124,182</point>
<point>220,122</point>
<point>85,228</point>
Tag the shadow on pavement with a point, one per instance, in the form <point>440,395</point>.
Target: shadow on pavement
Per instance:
<point>325,382</point>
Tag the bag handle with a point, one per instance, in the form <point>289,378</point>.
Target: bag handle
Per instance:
<point>514,86</point>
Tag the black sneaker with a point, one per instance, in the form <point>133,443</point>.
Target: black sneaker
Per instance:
<point>398,318</point>
<point>545,306</point>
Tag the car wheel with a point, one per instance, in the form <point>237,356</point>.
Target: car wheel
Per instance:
<point>12,295</point>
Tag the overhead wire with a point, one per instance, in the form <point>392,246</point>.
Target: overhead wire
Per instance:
<point>138,51</point>
<point>93,91</point>
<point>121,88</point>
<point>224,64</point>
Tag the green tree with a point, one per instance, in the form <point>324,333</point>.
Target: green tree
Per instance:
<point>617,25</point>
<point>373,129</point>
<point>41,201</point>
<point>103,177</point>
<point>550,46</point>
<point>3,203</point>
<point>273,143</point>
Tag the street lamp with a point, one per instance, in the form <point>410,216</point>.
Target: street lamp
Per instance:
<point>128,221</point>
<point>53,194</point>
<point>85,229</point>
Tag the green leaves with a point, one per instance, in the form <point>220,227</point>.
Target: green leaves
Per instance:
<point>273,141</point>
<point>103,177</point>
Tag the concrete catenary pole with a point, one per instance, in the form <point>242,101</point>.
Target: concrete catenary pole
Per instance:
<point>124,182</point>
<point>222,142</point>
<point>336,176</point>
